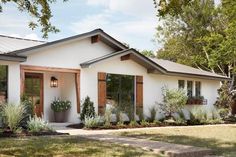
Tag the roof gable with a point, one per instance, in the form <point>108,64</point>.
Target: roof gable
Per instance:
<point>104,37</point>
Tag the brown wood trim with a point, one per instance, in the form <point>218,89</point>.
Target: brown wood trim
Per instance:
<point>139,91</point>
<point>48,69</point>
<point>77,86</point>
<point>95,39</point>
<point>125,57</point>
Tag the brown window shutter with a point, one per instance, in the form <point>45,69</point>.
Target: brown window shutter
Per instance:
<point>101,92</point>
<point>139,94</point>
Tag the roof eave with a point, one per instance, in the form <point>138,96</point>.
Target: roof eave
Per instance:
<point>13,58</point>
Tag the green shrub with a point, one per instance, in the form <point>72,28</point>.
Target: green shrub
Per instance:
<point>133,123</point>
<point>37,124</point>
<point>60,105</point>
<point>107,117</point>
<point>223,112</point>
<point>13,114</point>
<point>153,113</point>
<point>139,111</point>
<point>173,101</point>
<point>93,122</point>
<point>29,110</point>
<point>144,123</point>
<point>87,109</point>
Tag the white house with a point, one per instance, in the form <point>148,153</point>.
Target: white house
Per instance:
<point>96,65</point>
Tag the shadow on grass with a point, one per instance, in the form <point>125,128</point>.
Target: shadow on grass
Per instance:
<point>227,149</point>
<point>70,146</point>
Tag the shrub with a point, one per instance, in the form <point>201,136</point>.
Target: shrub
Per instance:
<point>107,117</point>
<point>223,112</point>
<point>144,123</point>
<point>93,122</point>
<point>60,105</point>
<point>133,123</point>
<point>139,111</point>
<point>88,109</point>
<point>153,113</point>
<point>37,124</point>
<point>13,114</point>
<point>29,110</point>
<point>173,101</point>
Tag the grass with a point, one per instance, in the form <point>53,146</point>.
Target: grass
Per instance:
<point>221,139</point>
<point>65,146</point>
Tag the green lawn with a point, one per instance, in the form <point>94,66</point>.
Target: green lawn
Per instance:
<point>65,146</point>
<point>221,139</point>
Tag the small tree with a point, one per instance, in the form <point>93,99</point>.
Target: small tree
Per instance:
<point>173,101</point>
<point>88,109</point>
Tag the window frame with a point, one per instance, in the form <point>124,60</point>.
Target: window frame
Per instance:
<point>200,88</point>
<point>179,85</point>
<point>6,82</point>
<point>190,96</point>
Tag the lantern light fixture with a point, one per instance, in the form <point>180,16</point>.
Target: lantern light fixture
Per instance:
<point>54,82</point>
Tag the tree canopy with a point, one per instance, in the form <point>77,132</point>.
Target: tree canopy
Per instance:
<point>198,33</point>
<point>40,11</point>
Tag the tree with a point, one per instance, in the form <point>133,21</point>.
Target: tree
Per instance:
<point>88,110</point>
<point>148,53</point>
<point>40,10</point>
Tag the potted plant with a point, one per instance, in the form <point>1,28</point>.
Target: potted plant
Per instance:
<point>60,107</point>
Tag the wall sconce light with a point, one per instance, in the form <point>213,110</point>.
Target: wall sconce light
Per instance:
<point>54,82</point>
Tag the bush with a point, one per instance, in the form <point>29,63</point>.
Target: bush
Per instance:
<point>153,113</point>
<point>173,101</point>
<point>37,124</point>
<point>88,109</point>
<point>60,105</point>
<point>93,122</point>
<point>13,114</point>
<point>223,112</point>
<point>107,117</point>
<point>29,110</point>
<point>133,123</point>
<point>144,123</point>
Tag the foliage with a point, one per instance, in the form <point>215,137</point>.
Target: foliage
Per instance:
<point>37,124</point>
<point>144,123</point>
<point>223,112</point>
<point>225,98</point>
<point>29,110</point>
<point>88,109</point>
<point>173,101</point>
<point>60,105</point>
<point>13,114</point>
<point>133,123</point>
<point>148,53</point>
<point>153,113</point>
<point>139,111</point>
<point>93,122</point>
<point>107,117</point>
<point>39,10</point>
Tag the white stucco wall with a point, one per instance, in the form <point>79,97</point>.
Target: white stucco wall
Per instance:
<point>13,81</point>
<point>152,83</point>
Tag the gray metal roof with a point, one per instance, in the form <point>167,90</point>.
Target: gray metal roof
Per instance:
<point>9,44</point>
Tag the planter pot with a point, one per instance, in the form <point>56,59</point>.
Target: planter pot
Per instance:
<point>60,117</point>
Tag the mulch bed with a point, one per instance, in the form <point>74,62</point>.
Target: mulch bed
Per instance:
<point>25,133</point>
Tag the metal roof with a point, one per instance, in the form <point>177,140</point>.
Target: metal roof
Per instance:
<point>9,44</point>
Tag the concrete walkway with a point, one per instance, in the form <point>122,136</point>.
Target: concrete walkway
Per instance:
<point>162,148</point>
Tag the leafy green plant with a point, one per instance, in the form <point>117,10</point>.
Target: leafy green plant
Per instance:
<point>107,117</point>
<point>29,110</point>
<point>13,114</point>
<point>59,105</point>
<point>87,109</point>
<point>37,124</point>
<point>93,122</point>
<point>223,112</point>
<point>153,113</point>
<point>139,111</point>
<point>144,123</point>
<point>173,101</point>
<point>133,123</point>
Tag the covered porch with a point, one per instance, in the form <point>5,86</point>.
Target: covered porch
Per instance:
<point>42,85</point>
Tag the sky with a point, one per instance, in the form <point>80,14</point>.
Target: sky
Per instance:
<point>129,21</point>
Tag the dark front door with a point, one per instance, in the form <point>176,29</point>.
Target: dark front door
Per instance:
<point>33,89</point>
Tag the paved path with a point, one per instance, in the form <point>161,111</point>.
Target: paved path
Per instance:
<point>163,148</point>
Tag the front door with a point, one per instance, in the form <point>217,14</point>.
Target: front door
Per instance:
<point>33,89</point>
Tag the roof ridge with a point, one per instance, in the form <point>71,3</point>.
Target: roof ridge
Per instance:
<point>20,38</point>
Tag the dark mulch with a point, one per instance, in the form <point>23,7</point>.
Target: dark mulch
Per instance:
<point>76,126</point>
<point>24,133</point>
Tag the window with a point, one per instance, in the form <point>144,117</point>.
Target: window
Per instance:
<point>190,89</point>
<point>197,88</point>
<point>120,92</point>
<point>3,83</point>
<point>181,84</point>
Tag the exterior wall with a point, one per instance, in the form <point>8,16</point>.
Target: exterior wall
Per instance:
<point>68,55</point>
<point>152,83</point>
<point>13,81</point>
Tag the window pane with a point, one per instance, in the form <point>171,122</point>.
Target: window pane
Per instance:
<point>190,88</point>
<point>198,88</point>
<point>3,83</point>
<point>181,84</point>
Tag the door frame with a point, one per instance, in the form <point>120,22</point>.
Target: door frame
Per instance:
<point>41,77</point>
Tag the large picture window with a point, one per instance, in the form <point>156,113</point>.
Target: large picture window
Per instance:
<point>181,84</point>
<point>120,93</point>
<point>3,83</point>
